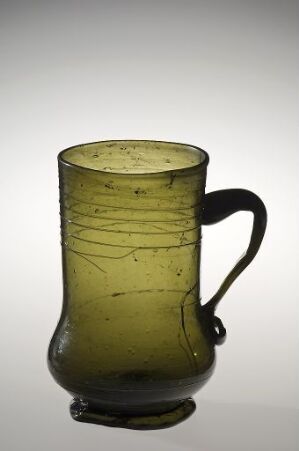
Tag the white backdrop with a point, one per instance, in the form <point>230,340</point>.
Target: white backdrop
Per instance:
<point>220,75</point>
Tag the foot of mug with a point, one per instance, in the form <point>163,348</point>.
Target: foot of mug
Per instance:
<point>80,411</point>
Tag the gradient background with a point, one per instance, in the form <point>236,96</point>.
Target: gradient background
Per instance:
<point>220,74</point>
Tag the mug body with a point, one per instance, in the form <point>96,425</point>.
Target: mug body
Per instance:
<point>131,338</point>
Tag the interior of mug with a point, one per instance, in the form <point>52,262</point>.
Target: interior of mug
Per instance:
<point>134,156</point>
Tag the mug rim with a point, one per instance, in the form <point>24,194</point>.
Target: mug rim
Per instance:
<point>195,167</point>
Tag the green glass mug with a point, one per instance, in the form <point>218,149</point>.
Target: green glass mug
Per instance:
<point>134,342</point>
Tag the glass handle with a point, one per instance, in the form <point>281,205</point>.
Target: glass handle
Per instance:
<point>218,205</point>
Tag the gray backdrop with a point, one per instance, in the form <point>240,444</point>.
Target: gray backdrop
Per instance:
<point>220,74</point>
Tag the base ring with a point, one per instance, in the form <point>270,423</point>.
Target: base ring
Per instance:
<point>80,411</point>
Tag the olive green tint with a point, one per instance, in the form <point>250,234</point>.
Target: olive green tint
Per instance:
<point>133,342</point>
